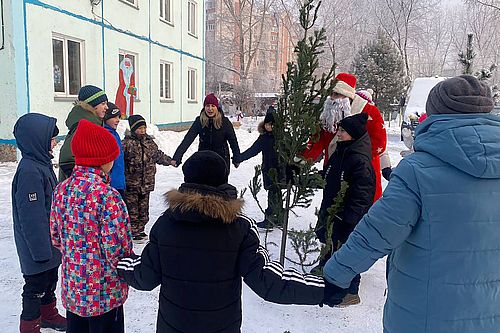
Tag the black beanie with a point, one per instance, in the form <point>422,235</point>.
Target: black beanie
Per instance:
<point>112,111</point>
<point>92,95</point>
<point>269,118</point>
<point>355,125</point>
<point>206,168</point>
<point>460,94</point>
<point>135,122</point>
<point>56,131</point>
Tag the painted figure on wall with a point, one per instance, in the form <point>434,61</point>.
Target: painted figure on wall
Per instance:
<point>126,89</point>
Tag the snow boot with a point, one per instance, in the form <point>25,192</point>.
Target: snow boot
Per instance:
<point>30,326</point>
<point>265,224</point>
<point>51,317</point>
<point>348,300</point>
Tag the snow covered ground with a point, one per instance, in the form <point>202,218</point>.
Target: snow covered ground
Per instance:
<point>258,315</point>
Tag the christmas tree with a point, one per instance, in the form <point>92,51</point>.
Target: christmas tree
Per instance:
<point>296,121</point>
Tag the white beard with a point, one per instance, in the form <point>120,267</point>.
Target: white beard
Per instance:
<point>333,112</point>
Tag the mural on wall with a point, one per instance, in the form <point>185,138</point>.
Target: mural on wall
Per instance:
<point>127,90</point>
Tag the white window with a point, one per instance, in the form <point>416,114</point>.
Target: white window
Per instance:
<point>192,78</point>
<point>192,18</point>
<point>165,80</point>
<point>134,3</point>
<point>166,10</point>
<point>67,65</point>
<point>129,70</point>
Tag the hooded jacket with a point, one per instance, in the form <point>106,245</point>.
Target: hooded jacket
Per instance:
<point>199,251</point>
<point>66,158</point>
<point>210,138</point>
<point>439,221</point>
<point>32,189</point>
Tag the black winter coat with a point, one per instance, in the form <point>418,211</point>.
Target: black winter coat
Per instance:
<point>199,251</point>
<point>265,145</point>
<point>350,162</point>
<point>210,138</point>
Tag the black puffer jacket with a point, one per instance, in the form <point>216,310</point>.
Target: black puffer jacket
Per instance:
<point>351,162</point>
<point>264,144</point>
<point>210,138</point>
<point>199,250</point>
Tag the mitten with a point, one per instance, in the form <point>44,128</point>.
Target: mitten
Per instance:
<point>333,294</point>
<point>386,173</point>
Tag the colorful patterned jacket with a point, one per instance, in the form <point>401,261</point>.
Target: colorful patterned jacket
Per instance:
<point>89,223</point>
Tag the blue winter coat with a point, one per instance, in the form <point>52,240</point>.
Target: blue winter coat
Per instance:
<point>32,189</point>
<point>439,221</point>
<point>117,174</point>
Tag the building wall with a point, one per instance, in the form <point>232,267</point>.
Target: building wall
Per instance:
<point>104,30</point>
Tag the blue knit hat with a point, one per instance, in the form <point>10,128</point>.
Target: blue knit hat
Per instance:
<point>92,95</point>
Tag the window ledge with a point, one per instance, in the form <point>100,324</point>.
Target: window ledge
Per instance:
<point>70,98</point>
<point>192,35</point>
<point>167,22</point>
<point>167,101</point>
<point>129,4</point>
<point>192,102</point>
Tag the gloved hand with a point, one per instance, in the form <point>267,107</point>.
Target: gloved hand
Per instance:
<point>386,173</point>
<point>333,295</point>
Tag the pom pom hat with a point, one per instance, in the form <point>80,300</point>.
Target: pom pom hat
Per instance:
<point>93,145</point>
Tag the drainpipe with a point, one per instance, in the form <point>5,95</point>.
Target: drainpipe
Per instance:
<point>3,26</point>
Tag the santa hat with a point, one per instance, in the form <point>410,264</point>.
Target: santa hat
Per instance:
<point>93,145</point>
<point>345,84</point>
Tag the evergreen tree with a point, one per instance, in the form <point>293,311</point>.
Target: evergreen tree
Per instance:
<point>467,58</point>
<point>379,66</point>
<point>297,120</point>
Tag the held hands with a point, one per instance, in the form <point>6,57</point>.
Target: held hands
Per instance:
<point>173,163</point>
<point>386,173</point>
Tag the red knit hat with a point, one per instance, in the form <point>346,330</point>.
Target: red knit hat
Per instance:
<point>93,145</point>
<point>211,99</point>
<point>345,85</point>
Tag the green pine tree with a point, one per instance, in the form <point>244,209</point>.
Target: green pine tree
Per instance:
<point>379,66</point>
<point>296,120</point>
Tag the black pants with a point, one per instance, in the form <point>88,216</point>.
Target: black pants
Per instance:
<point>273,201</point>
<point>38,289</point>
<point>110,322</point>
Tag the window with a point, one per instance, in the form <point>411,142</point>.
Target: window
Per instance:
<point>165,80</point>
<point>166,10</point>
<point>133,3</point>
<point>67,65</point>
<point>192,74</point>
<point>210,26</point>
<point>192,17</point>
<point>128,71</point>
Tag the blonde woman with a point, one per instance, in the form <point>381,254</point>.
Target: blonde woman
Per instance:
<point>91,105</point>
<point>215,131</point>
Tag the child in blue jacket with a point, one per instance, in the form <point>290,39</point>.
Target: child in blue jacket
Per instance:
<point>117,175</point>
<point>32,189</point>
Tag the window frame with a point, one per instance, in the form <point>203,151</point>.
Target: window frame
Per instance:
<point>135,3</point>
<point>192,21</point>
<point>65,39</point>
<point>136,72</point>
<point>163,63</point>
<point>163,18</point>
<point>192,85</point>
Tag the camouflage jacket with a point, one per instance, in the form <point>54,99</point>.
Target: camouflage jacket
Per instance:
<point>141,155</point>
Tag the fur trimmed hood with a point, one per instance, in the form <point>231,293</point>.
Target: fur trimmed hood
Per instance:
<point>261,128</point>
<point>209,205</point>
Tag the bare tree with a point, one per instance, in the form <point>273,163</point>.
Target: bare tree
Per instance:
<point>494,4</point>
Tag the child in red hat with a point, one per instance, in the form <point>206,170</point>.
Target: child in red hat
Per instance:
<point>89,224</point>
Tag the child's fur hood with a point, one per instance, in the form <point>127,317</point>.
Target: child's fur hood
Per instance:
<point>209,205</point>
<point>261,128</point>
